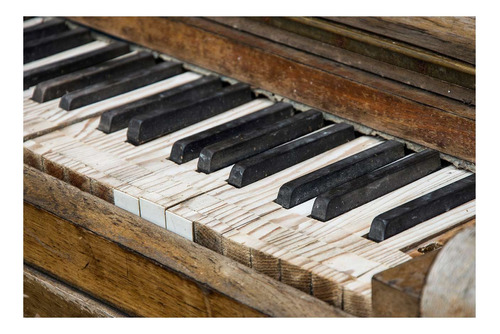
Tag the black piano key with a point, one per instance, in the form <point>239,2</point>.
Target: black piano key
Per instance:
<point>47,46</point>
<point>189,148</point>
<point>422,209</point>
<point>317,182</point>
<point>281,157</point>
<point>109,88</point>
<point>247,144</point>
<point>375,184</point>
<point>69,65</point>
<point>57,87</point>
<point>44,29</point>
<point>118,118</point>
<point>160,122</point>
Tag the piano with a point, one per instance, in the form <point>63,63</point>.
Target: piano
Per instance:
<point>287,167</point>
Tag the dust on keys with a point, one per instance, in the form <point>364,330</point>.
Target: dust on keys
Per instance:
<point>333,260</point>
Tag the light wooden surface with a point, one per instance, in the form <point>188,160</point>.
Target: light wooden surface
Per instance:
<point>450,289</point>
<point>139,267</point>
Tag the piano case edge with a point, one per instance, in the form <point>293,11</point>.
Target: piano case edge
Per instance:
<point>140,268</point>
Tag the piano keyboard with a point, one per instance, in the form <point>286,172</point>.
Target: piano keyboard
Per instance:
<point>249,173</point>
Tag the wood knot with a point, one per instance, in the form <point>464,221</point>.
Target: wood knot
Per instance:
<point>430,247</point>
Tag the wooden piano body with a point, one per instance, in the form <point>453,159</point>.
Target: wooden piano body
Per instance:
<point>99,260</point>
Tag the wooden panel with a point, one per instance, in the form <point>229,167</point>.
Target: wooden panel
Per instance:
<point>345,92</point>
<point>396,292</point>
<point>380,48</point>
<point>448,35</point>
<point>98,247</point>
<point>47,297</point>
<point>356,60</point>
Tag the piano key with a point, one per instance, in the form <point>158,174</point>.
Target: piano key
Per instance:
<point>70,64</point>
<point>44,29</point>
<point>31,21</point>
<point>311,185</point>
<point>423,208</point>
<point>44,47</point>
<point>281,157</point>
<point>159,122</point>
<point>65,55</point>
<point>45,117</point>
<point>118,118</point>
<point>117,86</point>
<point>368,187</point>
<point>229,151</point>
<point>189,148</point>
<point>57,87</point>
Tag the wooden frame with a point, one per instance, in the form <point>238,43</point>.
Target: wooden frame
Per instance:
<point>142,269</point>
<point>383,105</point>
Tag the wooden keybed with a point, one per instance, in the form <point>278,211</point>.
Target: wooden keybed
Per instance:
<point>53,148</point>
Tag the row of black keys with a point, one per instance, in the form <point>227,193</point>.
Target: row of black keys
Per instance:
<point>340,187</point>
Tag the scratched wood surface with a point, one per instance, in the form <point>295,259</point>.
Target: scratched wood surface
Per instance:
<point>450,36</point>
<point>44,296</point>
<point>351,58</point>
<point>380,104</point>
<point>159,274</point>
<point>399,291</point>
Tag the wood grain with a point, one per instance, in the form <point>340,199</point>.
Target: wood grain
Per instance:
<point>345,92</point>
<point>43,296</point>
<point>349,58</point>
<point>396,292</point>
<point>97,247</point>
<point>450,36</point>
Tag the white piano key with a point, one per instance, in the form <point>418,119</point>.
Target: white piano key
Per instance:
<point>126,202</point>
<point>152,212</point>
<point>179,225</point>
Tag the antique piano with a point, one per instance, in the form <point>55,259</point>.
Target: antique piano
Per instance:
<point>279,166</point>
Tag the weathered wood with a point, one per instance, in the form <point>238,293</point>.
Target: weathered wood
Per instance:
<point>396,292</point>
<point>448,35</point>
<point>353,59</point>
<point>450,289</point>
<point>382,49</point>
<point>313,81</point>
<point>44,296</point>
<point>156,272</point>
<point>438,241</point>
